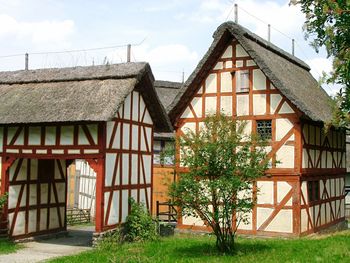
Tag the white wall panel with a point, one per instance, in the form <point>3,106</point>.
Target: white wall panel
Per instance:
<point>226,105</point>
<point>210,105</point>
<point>275,100</point>
<point>197,106</point>
<point>242,105</point>
<point>283,222</point>
<point>259,104</point>
<point>67,135</point>
<point>227,53</point>
<point>240,52</point>
<point>265,194</point>
<point>211,84</point>
<point>34,136</point>
<point>226,82</point>
<point>259,80</point>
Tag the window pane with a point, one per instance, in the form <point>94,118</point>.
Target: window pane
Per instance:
<point>264,129</point>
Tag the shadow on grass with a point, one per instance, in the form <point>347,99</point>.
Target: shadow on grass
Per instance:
<point>209,249</point>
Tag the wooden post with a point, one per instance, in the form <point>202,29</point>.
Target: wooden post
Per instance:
<point>293,46</point>
<point>128,53</point>
<point>26,61</point>
<point>236,13</point>
<point>269,32</point>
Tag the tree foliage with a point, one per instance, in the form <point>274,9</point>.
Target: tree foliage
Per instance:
<point>222,165</point>
<point>3,200</point>
<point>328,25</point>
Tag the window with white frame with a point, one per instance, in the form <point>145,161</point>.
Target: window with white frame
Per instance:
<point>242,81</point>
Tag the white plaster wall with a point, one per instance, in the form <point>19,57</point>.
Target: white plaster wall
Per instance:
<point>259,80</point>
<point>187,113</point>
<point>275,100</point>
<point>248,225</point>
<point>67,135</point>
<point>259,104</point>
<point>262,215</point>
<point>14,191</point>
<point>210,105</point>
<point>226,105</point>
<point>227,53</point>
<point>197,106</point>
<point>282,190</point>
<point>286,108</point>
<point>304,221</point>
<point>240,52</point>
<point>192,221</point>
<point>242,105</point>
<point>219,65</point>
<point>50,135</point>
<point>283,126</point>
<point>283,222</point>
<point>211,84</point>
<point>285,157</point>
<point>265,194</point>
<point>34,136</point>
<point>226,82</point>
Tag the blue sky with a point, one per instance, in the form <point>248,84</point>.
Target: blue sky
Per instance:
<point>175,33</point>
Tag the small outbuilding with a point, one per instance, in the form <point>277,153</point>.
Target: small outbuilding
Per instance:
<point>106,115</point>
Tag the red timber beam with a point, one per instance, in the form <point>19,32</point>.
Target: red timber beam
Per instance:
<point>99,167</point>
<point>6,164</point>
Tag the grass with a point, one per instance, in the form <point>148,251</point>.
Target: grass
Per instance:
<point>7,246</point>
<point>187,248</point>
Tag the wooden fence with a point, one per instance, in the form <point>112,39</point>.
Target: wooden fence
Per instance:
<point>78,216</point>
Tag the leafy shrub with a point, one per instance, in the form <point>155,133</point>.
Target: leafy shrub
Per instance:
<point>3,200</point>
<point>139,225</point>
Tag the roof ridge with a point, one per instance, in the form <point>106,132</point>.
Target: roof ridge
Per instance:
<point>238,29</point>
<point>79,73</point>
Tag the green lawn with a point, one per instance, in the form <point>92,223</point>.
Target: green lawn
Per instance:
<point>7,246</point>
<point>333,248</point>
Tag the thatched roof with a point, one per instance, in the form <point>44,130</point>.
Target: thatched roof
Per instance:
<point>76,94</point>
<point>167,91</point>
<point>288,73</point>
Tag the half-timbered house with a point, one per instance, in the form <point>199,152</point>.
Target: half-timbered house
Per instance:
<point>251,79</point>
<point>105,115</point>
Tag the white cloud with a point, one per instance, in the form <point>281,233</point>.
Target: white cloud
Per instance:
<point>209,11</point>
<point>42,32</point>
<point>167,61</point>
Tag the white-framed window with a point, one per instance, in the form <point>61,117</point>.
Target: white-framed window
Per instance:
<point>242,81</point>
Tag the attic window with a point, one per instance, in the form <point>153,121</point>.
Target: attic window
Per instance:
<point>264,129</point>
<point>242,81</point>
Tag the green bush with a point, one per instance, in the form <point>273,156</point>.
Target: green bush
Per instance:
<point>3,200</point>
<point>139,225</point>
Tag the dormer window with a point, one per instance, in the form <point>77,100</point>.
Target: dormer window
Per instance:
<point>242,81</point>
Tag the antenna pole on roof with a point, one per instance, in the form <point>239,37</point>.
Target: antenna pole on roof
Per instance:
<point>128,53</point>
<point>269,32</point>
<point>183,76</point>
<point>293,46</point>
<point>236,13</point>
<point>26,61</point>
